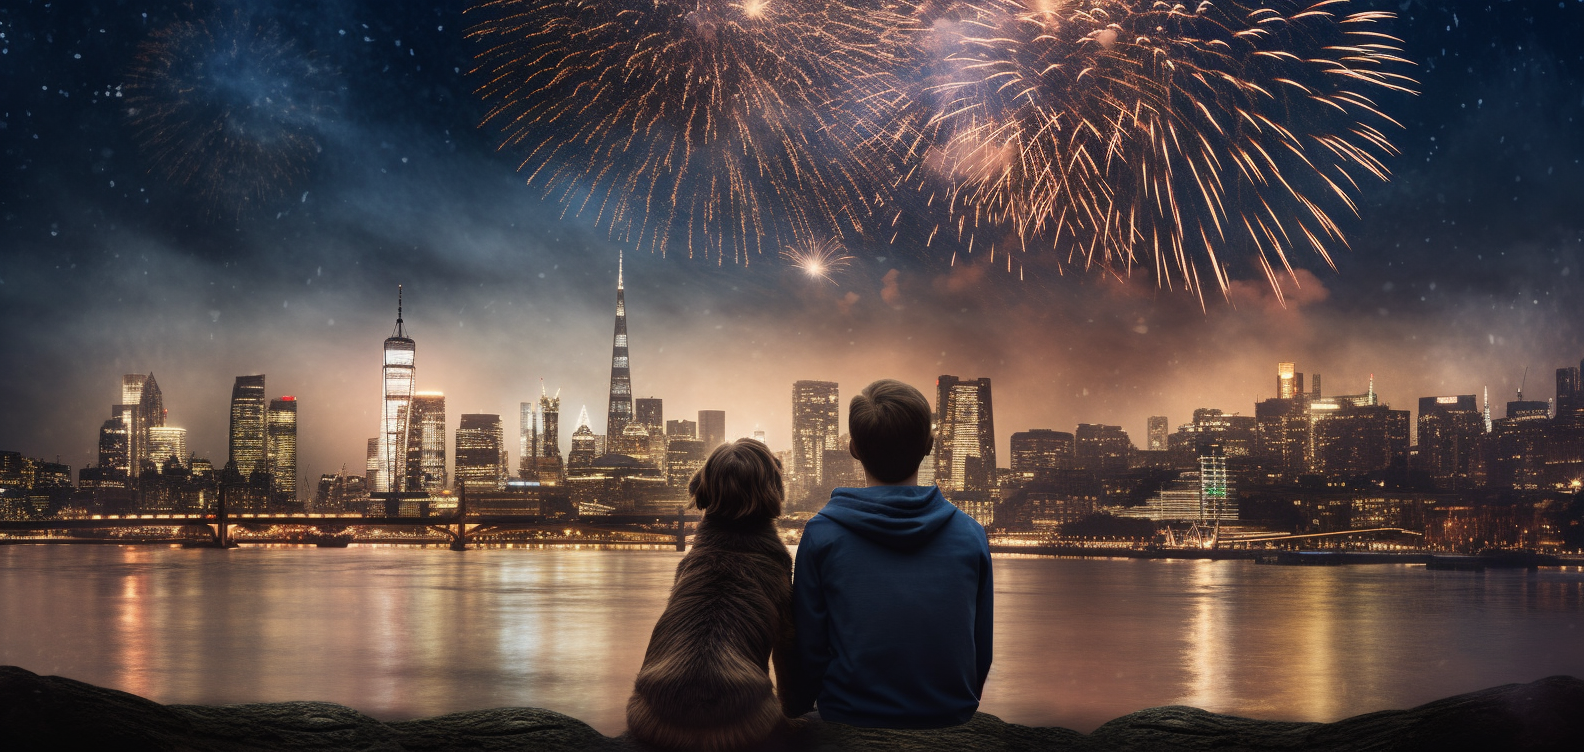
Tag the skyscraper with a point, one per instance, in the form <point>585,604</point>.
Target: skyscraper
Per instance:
<point>1570,395</point>
<point>585,445</point>
<point>712,429</point>
<point>249,410</point>
<point>527,441</point>
<point>371,465</point>
<point>1289,383</point>
<point>1450,432</point>
<point>426,443</point>
<point>399,381</point>
<point>816,410</point>
<point>1041,449</point>
<point>620,412</point>
<point>478,453</point>
<point>1159,429</point>
<point>141,406</point>
<point>1216,500</point>
<point>166,442</point>
<point>965,446</point>
<point>549,424</point>
<point>282,446</point>
<point>113,446</point>
<point>1355,439</point>
<point>650,411</point>
<point>682,429</point>
<point>1101,449</point>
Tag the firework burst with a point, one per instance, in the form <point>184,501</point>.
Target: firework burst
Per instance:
<point>725,125</point>
<point>1122,132</point>
<point>228,107</point>
<point>818,260</point>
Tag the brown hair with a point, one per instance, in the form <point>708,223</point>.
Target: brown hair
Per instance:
<point>740,480</point>
<point>890,426</point>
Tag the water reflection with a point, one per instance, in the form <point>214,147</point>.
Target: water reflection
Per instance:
<point>403,632</point>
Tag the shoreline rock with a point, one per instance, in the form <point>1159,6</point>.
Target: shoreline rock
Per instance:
<point>51,712</point>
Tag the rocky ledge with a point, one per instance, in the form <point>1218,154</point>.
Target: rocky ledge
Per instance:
<point>50,712</point>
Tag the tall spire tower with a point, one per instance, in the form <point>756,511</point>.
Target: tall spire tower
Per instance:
<point>395,407</point>
<point>621,407</point>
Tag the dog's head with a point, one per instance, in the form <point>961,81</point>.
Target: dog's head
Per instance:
<point>740,481</point>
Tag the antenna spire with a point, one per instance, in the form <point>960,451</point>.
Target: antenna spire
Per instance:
<point>619,284</point>
<point>400,332</point>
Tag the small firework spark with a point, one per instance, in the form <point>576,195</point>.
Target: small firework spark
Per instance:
<point>819,260</point>
<point>228,107</point>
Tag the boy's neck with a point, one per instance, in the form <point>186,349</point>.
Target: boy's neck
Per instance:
<point>911,480</point>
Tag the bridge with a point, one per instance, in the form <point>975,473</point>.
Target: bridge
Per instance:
<point>458,528</point>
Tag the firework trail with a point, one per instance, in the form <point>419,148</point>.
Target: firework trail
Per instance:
<point>1127,131</point>
<point>819,259</point>
<point>227,107</point>
<point>728,125</point>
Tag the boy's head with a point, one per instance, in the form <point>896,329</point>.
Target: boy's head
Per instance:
<point>889,422</point>
<point>740,480</point>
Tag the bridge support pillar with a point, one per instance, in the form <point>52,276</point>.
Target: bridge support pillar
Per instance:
<point>459,541</point>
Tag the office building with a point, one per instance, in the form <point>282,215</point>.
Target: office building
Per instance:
<point>371,464</point>
<point>1040,450</point>
<point>166,442</point>
<point>712,428</point>
<point>965,441</point>
<point>1281,438</point>
<point>1570,396</point>
<point>1217,503</point>
<point>113,450</point>
<point>620,412</point>
<point>480,463</point>
<point>684,456</point>
<point>1451,430</point>
<point>1352,439</point>
<point>249,413</point>
<point>399,381</point>
<point>585,444</point>
<point>1289,383</point>
<point>816,412</point>
<point>1102,450</point>
<point>527,441</point>
<point>1158,431</point>
<point>426,443</point>
<point>650,411</point>
<point>282,446</point>
<point>681,429</point>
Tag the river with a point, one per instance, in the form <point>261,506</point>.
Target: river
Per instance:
<point>401,632</point>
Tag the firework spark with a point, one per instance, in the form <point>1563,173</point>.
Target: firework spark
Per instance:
<point>818,260</point>
<point>723,124</point>
<point>1126,131</point>
<point>228,108</point>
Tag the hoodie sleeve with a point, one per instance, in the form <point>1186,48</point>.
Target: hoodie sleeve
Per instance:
<point>813,624</point>
<point>984,617</point>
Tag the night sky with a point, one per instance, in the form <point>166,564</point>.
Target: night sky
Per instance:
<point>1463,270</point>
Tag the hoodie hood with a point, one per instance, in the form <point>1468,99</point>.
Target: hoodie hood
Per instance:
<point>898,517</point>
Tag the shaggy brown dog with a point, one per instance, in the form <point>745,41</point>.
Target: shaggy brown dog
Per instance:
<point>705,681</point>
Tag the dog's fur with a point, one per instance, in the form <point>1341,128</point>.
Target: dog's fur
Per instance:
<point>705,682</point>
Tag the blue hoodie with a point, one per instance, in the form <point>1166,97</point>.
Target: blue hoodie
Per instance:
<point>892,595</point>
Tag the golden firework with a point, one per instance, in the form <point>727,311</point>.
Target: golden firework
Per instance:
<point>818,260</point>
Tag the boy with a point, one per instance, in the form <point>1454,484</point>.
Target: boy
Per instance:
<point>891,590</point>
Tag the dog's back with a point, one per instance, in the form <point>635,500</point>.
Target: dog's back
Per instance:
<point>704,683</point>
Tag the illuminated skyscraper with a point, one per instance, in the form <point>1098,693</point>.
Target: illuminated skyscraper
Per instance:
<point>1289,383</point>
<point>371,465</point>
<point>113,446</point>
<point>1159,429</point>
<point>585,445</point>
<point>166,442</point>
<point>1217,503</point>
<point>527,441</point>
<point>1041,449</point>
<point>248,414</point>
<point>282,446</point>
<point>621,406</point>
<point>684,456</point>
<point>650,411</point>
<point>1570,396</point>
<point>479,461</point>
<point>399,380</point>
<point>965,445</point>
<point>426,443</point>
<point>816,410</point>
<point>549,424</point>
<point>1450,432</point>
<point>712,429</point>
<point>141,406</point>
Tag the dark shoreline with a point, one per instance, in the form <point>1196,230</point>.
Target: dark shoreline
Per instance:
<point>49,712</point>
